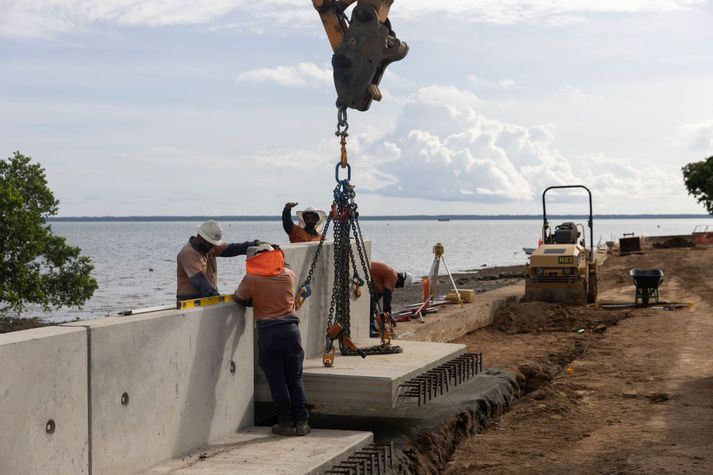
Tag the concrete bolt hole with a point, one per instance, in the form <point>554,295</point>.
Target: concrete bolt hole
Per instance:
<point>232,367</point>
<point>125,399</point>
<point>50,426</point>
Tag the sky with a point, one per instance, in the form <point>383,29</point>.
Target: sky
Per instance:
<point>226,107</point>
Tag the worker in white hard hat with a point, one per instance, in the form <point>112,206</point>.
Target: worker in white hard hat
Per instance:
<point>385,279</point>
<point>310,223</point>
<point>196,266</point>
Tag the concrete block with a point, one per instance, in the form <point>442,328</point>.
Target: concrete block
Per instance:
<point>162,386</point>
<point>453,321</point>
<point>257,451</point>
<point>44,378</point>
<point>370,383</point>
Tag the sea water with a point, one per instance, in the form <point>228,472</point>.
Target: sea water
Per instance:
<point>135,262</point>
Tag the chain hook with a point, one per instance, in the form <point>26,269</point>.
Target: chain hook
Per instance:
<point>342,123</point>
<point>341,132</point>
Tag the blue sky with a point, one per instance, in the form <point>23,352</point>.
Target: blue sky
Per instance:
<point>227,107</point>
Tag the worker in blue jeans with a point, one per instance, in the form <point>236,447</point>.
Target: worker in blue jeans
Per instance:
<point>269,287</point>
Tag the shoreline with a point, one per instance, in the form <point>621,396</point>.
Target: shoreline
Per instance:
<point>411,217</point>
<point>480,280</point>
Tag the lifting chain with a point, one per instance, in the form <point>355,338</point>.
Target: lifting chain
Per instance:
<point>341,132</point>
<point>345,215</point>
<point>385,348</point>
<point>344,218</point>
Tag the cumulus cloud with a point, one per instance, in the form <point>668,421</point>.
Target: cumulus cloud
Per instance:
<point>485,85</point>
<point>46,18</point>
<point>302,75</point>
<point>697,136</point>
<point>443,149</point>
<point>554,12</point>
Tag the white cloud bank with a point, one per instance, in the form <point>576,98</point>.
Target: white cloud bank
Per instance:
<point>697,136</point>
<point>443,149</point>
<point>47,18</point>
<point>549,11</point>
<point>302,75</point>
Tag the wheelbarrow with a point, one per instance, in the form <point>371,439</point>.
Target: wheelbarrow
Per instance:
<point>647,283</point>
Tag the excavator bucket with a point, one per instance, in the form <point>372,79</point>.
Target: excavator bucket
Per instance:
<point>369,46</point>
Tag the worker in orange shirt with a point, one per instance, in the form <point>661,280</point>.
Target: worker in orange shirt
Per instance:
<point>269,288</point>
<point>310,223</point>
<point>384,279</point>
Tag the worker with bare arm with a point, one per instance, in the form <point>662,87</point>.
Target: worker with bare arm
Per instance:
<point>310,223</point>
<point>196,266</point>
<point>384,279</point>
<point>269,287</point>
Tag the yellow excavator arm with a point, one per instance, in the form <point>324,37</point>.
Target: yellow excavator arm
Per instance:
<point>363,47</point>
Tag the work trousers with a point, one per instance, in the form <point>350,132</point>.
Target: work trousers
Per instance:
<point>280,356</point>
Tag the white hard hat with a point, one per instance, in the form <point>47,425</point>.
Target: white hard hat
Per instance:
<point>211,232</point>
<point>254,250</point>
<point>322,218</point>
<point>408,278</point>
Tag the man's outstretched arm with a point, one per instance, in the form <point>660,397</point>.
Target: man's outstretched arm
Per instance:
<point>287,223</point>
<point>202,285</point>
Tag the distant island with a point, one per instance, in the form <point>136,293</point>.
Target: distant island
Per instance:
<point>414,217</point>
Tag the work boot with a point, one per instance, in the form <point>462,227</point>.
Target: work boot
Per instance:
<point>302,427</point>
<point>284,428</point>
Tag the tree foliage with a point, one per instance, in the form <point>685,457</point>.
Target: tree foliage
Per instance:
<point>37,266</point>
<point>698,177</point>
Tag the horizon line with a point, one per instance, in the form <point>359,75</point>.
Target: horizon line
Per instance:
<point>411,217</point>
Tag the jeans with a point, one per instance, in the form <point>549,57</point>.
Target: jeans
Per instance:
<point>280,356</point>
<point>373,330</point>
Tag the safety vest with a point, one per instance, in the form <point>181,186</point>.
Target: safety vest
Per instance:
<point>266,263</point>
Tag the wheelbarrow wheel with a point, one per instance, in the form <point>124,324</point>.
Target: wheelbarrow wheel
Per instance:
<point>645,296</point>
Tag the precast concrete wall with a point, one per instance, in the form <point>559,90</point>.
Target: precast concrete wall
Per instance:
<point>43,402</point>
<point>119,395</point>
<point>167,383</point>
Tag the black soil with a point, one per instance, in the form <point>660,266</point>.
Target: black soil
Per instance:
<point>8,324</point>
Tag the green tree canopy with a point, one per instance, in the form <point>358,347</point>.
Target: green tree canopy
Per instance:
<point>698,177</point>
<point>37,267</point>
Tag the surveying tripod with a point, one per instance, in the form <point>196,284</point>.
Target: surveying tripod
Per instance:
<point>430,287</point>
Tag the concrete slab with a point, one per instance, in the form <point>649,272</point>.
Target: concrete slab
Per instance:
<point>453,321</point>
<point>166,383</point>
<point>424,437</point>
<point>371,382</point>
<point>258,451</point>
<point>43,379</point>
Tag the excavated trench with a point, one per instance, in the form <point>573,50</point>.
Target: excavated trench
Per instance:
<point>425,438</point>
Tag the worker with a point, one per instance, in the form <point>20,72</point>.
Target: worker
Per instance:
<point>385,279</point>
<point>196,267</point>
<point>269,287</point>
<point>310,223</point>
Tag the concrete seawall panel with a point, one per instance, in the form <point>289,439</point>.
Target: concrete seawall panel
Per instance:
<point>43,402</point>
<point>166,383</point>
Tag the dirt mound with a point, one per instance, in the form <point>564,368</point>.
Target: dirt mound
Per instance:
<point>675,242</point>
<point>535,317</point>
